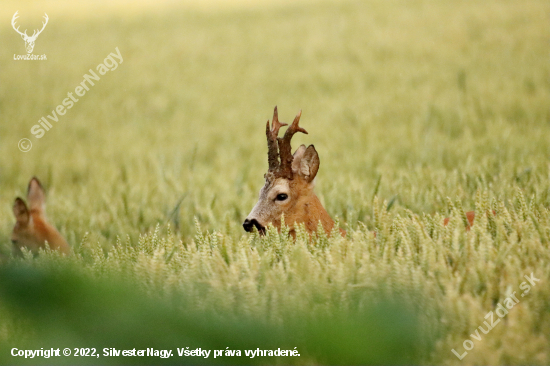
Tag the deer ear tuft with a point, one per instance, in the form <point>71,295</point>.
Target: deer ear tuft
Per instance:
<point>36,195</point>
<point>309,164</point>
<point>20,211</point>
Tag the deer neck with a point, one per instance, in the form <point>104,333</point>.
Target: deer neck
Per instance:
<point>310,212</point>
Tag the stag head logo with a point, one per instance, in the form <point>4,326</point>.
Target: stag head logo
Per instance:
<point>29,40</point>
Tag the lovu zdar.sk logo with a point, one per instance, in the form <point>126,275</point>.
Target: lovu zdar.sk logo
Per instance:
<point>29,40</point>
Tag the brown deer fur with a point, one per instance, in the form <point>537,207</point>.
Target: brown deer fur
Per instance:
<point>32,229</point>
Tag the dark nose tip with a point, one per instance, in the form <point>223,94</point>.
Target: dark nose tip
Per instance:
<point>248,225</point>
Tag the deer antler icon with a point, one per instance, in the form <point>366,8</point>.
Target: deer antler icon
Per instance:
<point>29,41</point>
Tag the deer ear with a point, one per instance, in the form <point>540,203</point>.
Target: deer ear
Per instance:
<point>309,164</point>
<point>20,211</point>
<point>36,195</point>
<point>297,158</point>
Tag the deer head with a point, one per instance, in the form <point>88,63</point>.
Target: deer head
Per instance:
<point>289,184</point>
<point>29,41</point>
<point>31,229</point>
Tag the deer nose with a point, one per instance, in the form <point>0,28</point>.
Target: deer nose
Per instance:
<point>248,225</point>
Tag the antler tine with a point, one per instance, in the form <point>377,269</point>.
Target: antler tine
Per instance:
<point>285,148</point>
<point>272,133</point>
<point>37,32</point>
<point>276,125</point>
<point>15,17</point>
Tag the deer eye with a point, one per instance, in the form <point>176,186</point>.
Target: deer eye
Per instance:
<point>281,197</point>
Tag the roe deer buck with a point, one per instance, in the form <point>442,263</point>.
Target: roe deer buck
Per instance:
<point>288,188</point>
<point>31,229</point>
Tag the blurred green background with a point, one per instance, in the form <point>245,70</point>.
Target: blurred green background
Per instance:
<point>408,101</point>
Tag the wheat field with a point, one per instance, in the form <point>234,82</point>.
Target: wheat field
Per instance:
<point>419,110</point>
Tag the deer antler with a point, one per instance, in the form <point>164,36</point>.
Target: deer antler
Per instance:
<point>285,148</point>
<point>13,24</point>
<point>272,152</point>
<point>35,34</point>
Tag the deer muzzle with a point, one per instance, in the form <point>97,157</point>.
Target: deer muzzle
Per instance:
<point>249,225</point>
